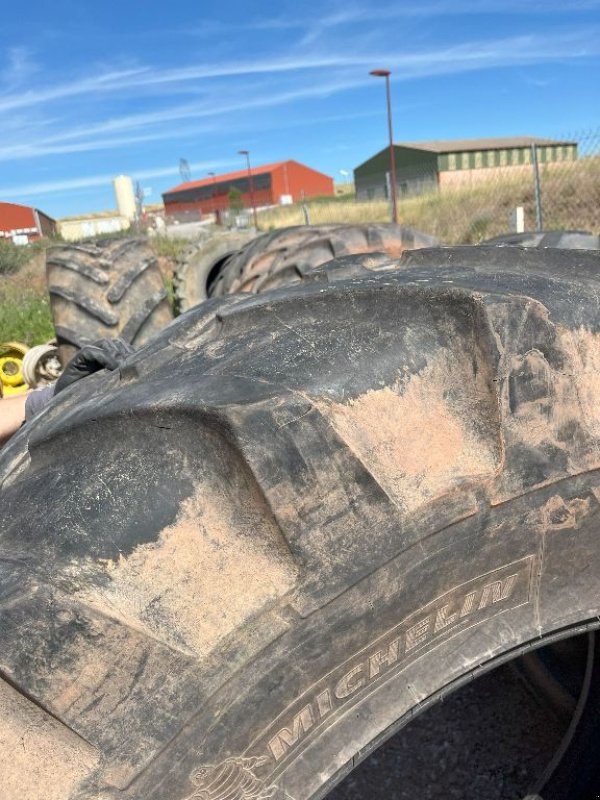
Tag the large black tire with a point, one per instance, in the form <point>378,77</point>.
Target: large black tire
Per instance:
<point>199,266</point>
<point>257,257</point>
<point>569,240</point>
<point>292,522</point>
<point>107,288</point>
<point>283,257</point>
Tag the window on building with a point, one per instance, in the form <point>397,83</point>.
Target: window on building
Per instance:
<point>503,157</point>
<point>452,161</point>
<point>526,155</point>
<point>478,159</point>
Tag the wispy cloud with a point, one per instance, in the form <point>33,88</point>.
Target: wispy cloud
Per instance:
<point>346,14</point>
<point>102,82</point>
<point>513,50</point>
<point>19,68</point>
<point>77,139</point>
<point>92,181</point>
<point>351,73</point>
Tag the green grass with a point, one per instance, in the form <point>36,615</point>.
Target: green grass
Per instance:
<point>13,257</point>
<point>169,286</point>
<point>24,315</point>
<point>166,247</point>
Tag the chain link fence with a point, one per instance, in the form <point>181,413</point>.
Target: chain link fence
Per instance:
<point>479,205</point>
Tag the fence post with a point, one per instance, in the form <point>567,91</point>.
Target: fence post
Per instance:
<point>388,184</point>
<point>304,209</point>
<point>539,221</point>
<point>516,220</point>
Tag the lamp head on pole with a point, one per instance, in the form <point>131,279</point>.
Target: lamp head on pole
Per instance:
<point>243,152</point>
<point>380,73</point>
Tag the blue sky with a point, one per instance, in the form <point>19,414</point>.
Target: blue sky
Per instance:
<point>91,90</point>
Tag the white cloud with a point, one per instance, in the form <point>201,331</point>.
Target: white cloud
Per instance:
<point>346,14</point>
<point>67,141</point>
<point>351,68</point>
<point>512,50</point>
<point>91,181</point>
<point>19,68</point>
<point>102,82</point>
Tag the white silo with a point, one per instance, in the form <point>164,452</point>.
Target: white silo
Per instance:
<point>125,196</point>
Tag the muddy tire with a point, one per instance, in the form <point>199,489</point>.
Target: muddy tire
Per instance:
<point>292,522</point>
<point>257,257</point>
<point>200,266</point>
<point>284,257</point>
<point>569,240</point>
<point>109,288</point>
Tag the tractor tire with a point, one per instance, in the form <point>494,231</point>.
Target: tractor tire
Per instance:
<point>257,257</point>
<point>283,258</point>
<point>569,240</point>
<point>105,289</point>
<point>291,523</point>
<point>200,265</point>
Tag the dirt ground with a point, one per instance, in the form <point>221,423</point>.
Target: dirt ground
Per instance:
<point>488,741</point>
<point>32,276</point>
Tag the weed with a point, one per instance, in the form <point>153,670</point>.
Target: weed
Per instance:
<point>13,257</point>
<point>24,315</point>
<point>165,247</point>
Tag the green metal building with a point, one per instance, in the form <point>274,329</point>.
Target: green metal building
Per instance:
<point>427,166</point>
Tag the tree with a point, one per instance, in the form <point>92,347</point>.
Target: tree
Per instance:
<point>234,197</point>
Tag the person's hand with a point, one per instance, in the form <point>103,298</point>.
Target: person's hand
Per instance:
<point>103,354</point>
<point>12,415</point>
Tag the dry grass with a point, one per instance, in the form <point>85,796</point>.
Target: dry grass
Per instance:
<point>324,213</point>
<point>570,199</point>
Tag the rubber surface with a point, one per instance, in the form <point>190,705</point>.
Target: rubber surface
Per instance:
<point>570,240</point>
<point>106,289</point>
<point>292,521</point>
<point>199,266</point>
<point>283,257</point>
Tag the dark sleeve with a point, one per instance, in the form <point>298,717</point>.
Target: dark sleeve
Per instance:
<point>37,400</point>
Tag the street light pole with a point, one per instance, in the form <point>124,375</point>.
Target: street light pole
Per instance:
<point>385,73</point>
<point>251,182</point>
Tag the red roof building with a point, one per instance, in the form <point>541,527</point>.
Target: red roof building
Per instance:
<point>285,181</point>
<point>23,224</point>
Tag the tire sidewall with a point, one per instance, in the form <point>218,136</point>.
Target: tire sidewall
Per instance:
<point>345,678</point>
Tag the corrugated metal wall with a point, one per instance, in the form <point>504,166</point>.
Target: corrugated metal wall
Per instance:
<point>287,178</point>
<point>23,221</point>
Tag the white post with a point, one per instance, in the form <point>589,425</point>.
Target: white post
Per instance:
<point>516,220</point>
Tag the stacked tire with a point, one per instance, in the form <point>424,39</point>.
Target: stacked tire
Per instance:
<point>283,257</point>
<point>105,289</point>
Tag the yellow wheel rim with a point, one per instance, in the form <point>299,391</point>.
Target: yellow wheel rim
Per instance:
<point>11,364</point>
<point>11,373</point>
<point>11,390</point>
